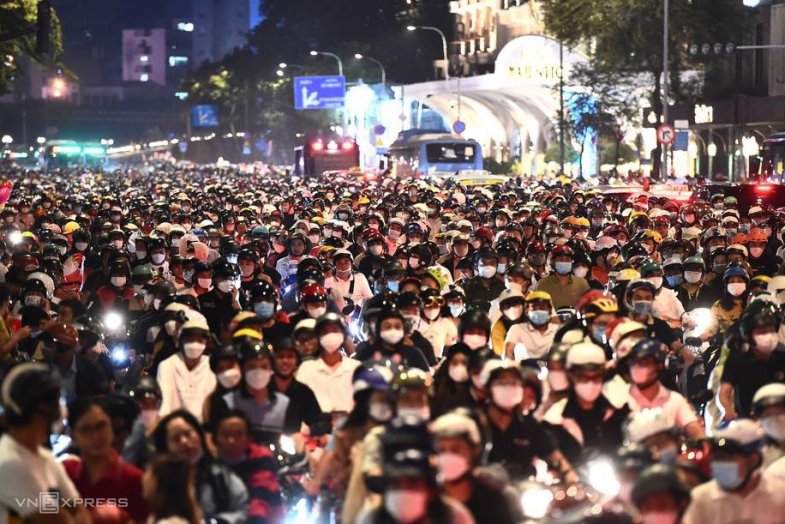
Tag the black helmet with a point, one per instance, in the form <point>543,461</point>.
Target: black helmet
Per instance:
<point>759,313</point>
<point>634,456</point>
<point>145,387</point>
<point>648,347</point>
<point>262,290</point>
<point>659,478</point>
<point>475,318</point>
<point>485,253</point>
<point>254,349</point>
<point>411,378</point>
<point>223,352</point>
<point>393,268</point>
<point>408,299</point>
<point>330,318</point>
<point>223,269</point>
<point>28,389</point>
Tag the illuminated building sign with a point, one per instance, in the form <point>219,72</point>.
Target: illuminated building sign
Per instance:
<point>534,59</point>
<point>704,114</point>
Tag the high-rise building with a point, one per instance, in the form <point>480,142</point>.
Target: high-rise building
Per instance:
<point>220,26</point>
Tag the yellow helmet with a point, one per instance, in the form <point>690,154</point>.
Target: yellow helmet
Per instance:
<point>70,227</point>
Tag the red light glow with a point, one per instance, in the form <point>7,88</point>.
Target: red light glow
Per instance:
<point>317,146</point>
<point>347,145</point>
<point>764,188</point>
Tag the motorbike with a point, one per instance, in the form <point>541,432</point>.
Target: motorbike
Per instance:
<point>705,350</point>
<point>127,366</point>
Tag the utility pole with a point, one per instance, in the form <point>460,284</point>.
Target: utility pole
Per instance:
<point>665,83</point>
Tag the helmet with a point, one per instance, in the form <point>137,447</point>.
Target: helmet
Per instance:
<point>759,313</point>
<point>659,478</point>
<point>768,395</point>
<point>647,423</point>
<point>648,268</point>
<point>633,456</point>
<point>227,351</point>
<point>368,379</point>
<point>145,387</point>
<point>330,318</point>
<point>26,387</point>
<point>262,290</point>
<point>562,250</point>
<point>408,299</point>
<point>456,425</point>
<point>648,347</point>
<point>735,271</point>
<point>313,293</point>
<point>585,356</point>
<point>474,319</point>
<point>595,303</point>
<point>757,234</point>
<point>251,349</point>
<point>411,378</point>
<point>194,328</point>
<point>64,334</point>
<point>694,261</point>
<point>739,436</point>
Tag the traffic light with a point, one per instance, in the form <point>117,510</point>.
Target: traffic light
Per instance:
<point>711,50</point>
<point>43,30</point>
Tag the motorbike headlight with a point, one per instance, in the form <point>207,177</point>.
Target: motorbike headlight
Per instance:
<point>286,444</point>
<point>119,355</point>
<point>601,476</point>
<point>535,502</point>
<point>113,321</point>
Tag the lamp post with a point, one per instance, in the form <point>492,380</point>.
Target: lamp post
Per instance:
<point>665,81</point>
<point>444,44</point>
<point>332,55</point>
<point>359,56</point>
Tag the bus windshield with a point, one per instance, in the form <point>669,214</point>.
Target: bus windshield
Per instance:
<point>773,161</point>
<point>450,153</point>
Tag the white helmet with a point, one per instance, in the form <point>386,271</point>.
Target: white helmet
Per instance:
<point>455,425</point>
<point>585,355</point>
<point>647,423</point>
<point>741,435</point>
<point>777,289</point>
<point>47,281</point>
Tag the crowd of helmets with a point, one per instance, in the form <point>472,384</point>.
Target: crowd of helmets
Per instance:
<point>438,353</point>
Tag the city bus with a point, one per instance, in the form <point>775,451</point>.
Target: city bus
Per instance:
<point>317,155</point>
<point>70,153</point>
<point>427,153</point>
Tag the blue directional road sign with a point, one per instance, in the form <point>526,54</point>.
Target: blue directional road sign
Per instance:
<point>205,115</point>
<point>319,92</point>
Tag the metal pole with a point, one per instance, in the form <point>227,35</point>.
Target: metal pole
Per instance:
<point>665,82</point>
<point>561,106</point>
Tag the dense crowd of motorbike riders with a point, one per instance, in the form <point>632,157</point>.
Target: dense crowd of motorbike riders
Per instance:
<point>211,346</point>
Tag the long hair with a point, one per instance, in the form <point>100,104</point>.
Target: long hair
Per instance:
<point>359,414</point>
<point>161,432</point>
<point>727,301</point>
<point>175,494</point>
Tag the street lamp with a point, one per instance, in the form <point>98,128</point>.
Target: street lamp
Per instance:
<point>6,139</point>
<point>359,56</point>
<point>332,55</point>
<point>280,73</point>
<point>444,44</point>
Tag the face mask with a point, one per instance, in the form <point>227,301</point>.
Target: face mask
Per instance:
<point>639,374</point>
<point>657,281</point>
<point>140,255</point>
<point>380,411</point>
<point>596,223</point>
<point>188,275</point>
<point>158,258</point>
<point>118,281</point>
<point>229,378</point>
<point>411,323</point>
<point>539,317</point>
<point>452,466</point>
<point>204,283</point>
<point>264,309</point>
<point>461,251</point>
<point>194,349</point>
<point>563,268</point>
<point>394,234</point>
<point>660,517</point>
<point>224,286</point>
<point>33,300</point>
<point>406,505</point>
<point>422,413</point>
<point>459,373</point>
<point>774,426</point>
<point>513,313</point>
<point>501,268</point>
<point>156,304</point>
<point>581,271</point>
<point>314,239</point>
<point>674,280</point>
<point>148,417</point>
<point>414,263</point>
<point>118,244</point>
<point>737,288</point>
<point>487,271</point>
<point>331,342</point>
<point>756,251</point>
<point>80,246</point>
<point>642,307</point>
<point>456,310</point>
<point>507,397</point>
<point>588,391</point>
<point>317,311</point>
<point>391,336</point>
<point>513,286</point>
<point>693,277</point>
<point>726,473</point>
<point>475,341</point>
<point>258,378</point>
<point>719,268</point>
<point>558,380</point>
<point>598,333</point>
<point>431,313</point>
<point>375,250</point>
<point>170,326</point>
<point>767,342</point>
<point>393,285</point>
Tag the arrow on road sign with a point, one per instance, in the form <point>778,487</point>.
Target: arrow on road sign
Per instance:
<point>310,99</point>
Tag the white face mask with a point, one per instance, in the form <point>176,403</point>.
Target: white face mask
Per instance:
<point>513,313</point>
<point>487,271</point>
<point>171,327</point>
<point>380,411</point>
<point>767,342</point>
<point>375,250</point>
<point>774,426</point>
<point>660,517</point>
<point>507,397</point>
<point>331,342</point>
<point>588,391</point>
<point>459,373</point>
<point>580,271</point>
<point>158,258</point>
<point>406,505</point>
<point>316,312</point>
<point>558,380</point>
<point>422,413</point>
<point>513,286</point>
<point>118,281</point>
<point>656,281</point>
<point>452,466</point>
<point>194,349</point>
<point>431,313</point>
<point>229,378</point>
<point>258,378</point>
<point>475,341</point>
<point>737,288</point>
<point>693,277</point>
<point>391,336</point>
<point>156,304</point>
<point>456,310</point>
<point>224,286</point>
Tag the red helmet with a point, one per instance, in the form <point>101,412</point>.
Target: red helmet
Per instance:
<point>313,293</point>
<point>596,302</point>
<point>535,247</point>
<point>372,234</point>
<point>563,250</point>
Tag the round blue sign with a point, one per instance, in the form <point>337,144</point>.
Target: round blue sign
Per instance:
<point>459,126</point>
<point>379,129</point>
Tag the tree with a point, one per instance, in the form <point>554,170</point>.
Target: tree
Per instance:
<point>14,15</point>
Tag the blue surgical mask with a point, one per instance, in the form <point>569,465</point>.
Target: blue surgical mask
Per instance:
<point>232,259</point>
<point>501,268</point>
<point>563,268</point>
<point>538,317</point>
<point>393,285</point>
<point>598,332</point>
<point>726,473</point>
<point>642,307</point>
<point>456,310</point>
<point>674,280</point>
<point>264,309</point>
